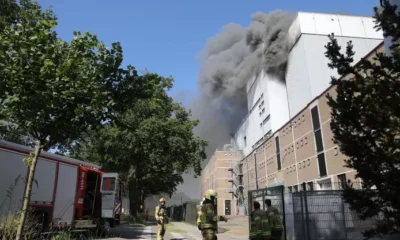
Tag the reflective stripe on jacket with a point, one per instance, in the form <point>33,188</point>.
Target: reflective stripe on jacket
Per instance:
<point>199,213</point>
<point>259,224</point>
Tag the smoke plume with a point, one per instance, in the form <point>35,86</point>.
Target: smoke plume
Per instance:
<point>228,61</point>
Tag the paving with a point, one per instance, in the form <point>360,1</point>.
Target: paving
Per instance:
<point>234,229</point>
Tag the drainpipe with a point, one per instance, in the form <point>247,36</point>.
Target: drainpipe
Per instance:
<point>255,168</point>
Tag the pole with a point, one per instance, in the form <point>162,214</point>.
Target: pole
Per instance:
<point>306,208</point>
<point>283,212</point>
<point>255,167</point>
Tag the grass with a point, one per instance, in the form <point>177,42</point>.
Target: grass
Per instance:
<point>175,229</point>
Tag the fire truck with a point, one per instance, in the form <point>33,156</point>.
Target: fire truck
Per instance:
<point>67,193</point>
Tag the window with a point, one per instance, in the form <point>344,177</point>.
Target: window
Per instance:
<point>266,119</point>
<point>278,155</point>
<point>315,118</point>
<point>318,141</point>
<point>296,188</point>
<point>290,189</point>
<point>268,134</point>
<point>342,181</point>
<point>245,141</point>
<point>310,186</point>
<point>108,184</point>
<point>261,104</point>
<point>322,165</point>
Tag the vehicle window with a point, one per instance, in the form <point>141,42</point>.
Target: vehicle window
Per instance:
<point>108,184</point>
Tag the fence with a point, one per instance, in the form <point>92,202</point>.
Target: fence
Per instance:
<point>313,214</point>
<point>187,212</point>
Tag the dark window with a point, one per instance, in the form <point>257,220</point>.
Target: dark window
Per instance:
<point>266,119</point>
<point>315,118</point>
<point>278,155</point>
<point>310,186</point>
<point>342,181</point>
<point>240,180</point>
<point>245,141</point>
<point>108,184</point>
<point>318,141</point>
<point>322,165</point>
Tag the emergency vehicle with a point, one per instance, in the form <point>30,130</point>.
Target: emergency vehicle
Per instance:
<point>67,193</point>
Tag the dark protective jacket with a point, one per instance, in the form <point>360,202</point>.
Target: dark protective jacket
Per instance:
<point>208,216</point>
<point>274,218</point>
<point>260,228</point>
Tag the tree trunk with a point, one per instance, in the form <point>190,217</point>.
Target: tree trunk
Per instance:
<point>133,192</point>
<point>133,198</point>
<point>28,190</point>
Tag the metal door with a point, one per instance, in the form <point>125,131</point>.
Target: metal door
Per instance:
<point>227,207</point>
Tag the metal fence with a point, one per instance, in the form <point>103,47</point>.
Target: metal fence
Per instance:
<point>313,214</point>
<point>276,195</point>
<point>187,212</point>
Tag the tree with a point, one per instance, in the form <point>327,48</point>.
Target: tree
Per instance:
<point>366,125</point>
<point>151,144</point>
<point>53,90</point>
<point>8,13</point>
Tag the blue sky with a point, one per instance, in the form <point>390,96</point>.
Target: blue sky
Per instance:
<point>166,36</point>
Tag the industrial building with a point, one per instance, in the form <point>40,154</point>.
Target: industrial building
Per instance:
<point>286,138</point>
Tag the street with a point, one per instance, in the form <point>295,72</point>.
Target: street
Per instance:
<point>234,229</point>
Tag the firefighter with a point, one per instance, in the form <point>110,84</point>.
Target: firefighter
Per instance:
<point>260,228</point>
<point>208,216</point>
<point>161,218</point>
<point>199,215</point>
<point>274,218</point>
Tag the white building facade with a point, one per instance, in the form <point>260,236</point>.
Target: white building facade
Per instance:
<point>272,102</point>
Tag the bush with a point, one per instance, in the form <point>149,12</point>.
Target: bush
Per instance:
<point>9,226</point>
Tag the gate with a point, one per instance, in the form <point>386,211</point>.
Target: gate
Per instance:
<point>324,215</point>
<point>276,195</point>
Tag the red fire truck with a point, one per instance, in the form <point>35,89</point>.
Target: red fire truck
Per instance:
<point>66,194</point>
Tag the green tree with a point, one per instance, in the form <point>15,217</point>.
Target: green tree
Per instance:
<point>152,145</point>
<point>366,125</point>
<point>8,12</point>
<point>53,90</point>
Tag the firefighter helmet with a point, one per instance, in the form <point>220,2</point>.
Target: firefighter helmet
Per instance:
<point>162,200</point>
<point>210,193</point>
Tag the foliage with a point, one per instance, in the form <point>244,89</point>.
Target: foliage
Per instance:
<point>12,133</point>
<point>53,90</point>
<point>8,12</point>
<point>152,144</point>
<point>366,125</point>
<point>9,224</point>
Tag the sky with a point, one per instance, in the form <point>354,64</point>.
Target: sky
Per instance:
<point>166,36</point>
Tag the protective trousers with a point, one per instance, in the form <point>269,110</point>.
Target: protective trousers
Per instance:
<point>161,230</point>
<point>276,234</point>
<point>209,234</point>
